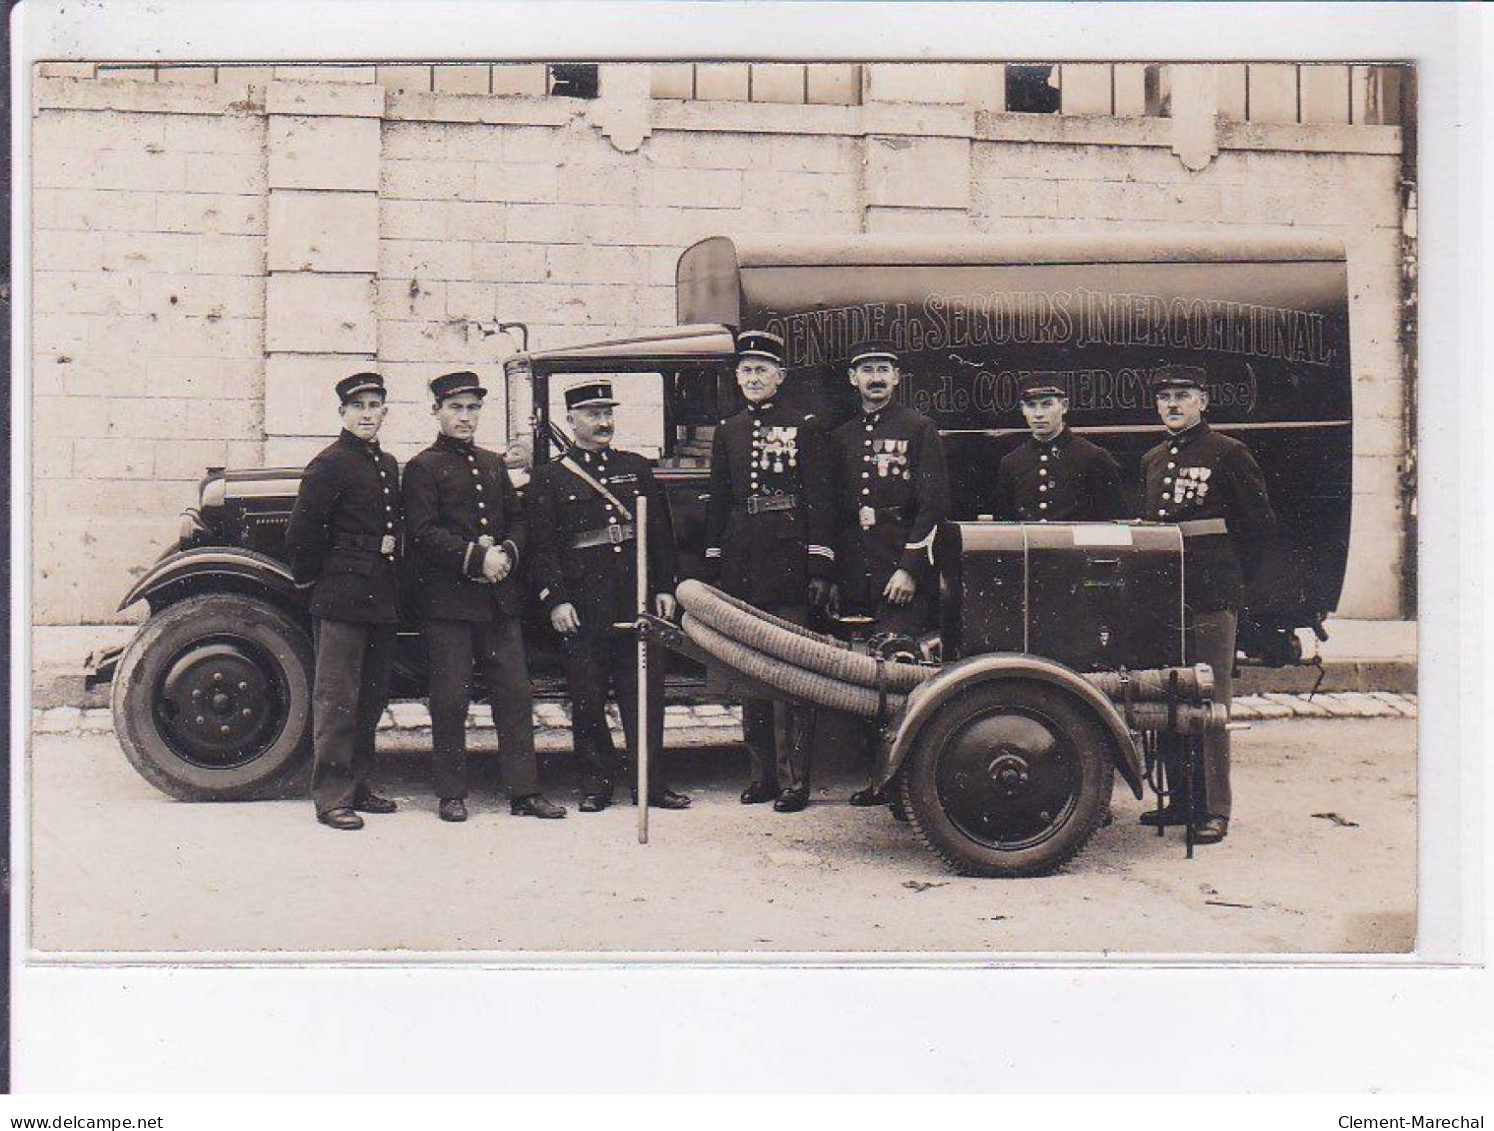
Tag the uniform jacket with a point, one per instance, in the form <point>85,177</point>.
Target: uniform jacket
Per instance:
<point>455,494</point>
<point>349,499</point>
<point>601,581</point>
<point>1202,474</point>
<point>1065,479</point>
<point>767,557</point>
<point>891,461</point>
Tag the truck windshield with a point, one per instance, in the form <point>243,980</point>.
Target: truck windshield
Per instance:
<point>667,416</point>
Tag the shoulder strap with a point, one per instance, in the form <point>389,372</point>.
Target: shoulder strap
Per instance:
<point>577,470</point>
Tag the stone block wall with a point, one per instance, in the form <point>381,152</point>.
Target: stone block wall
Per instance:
<point>210,256</point>
<point>148,318</point>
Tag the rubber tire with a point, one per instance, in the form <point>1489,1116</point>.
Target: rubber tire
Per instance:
<point>1082,731</point>
<point>143,663</point>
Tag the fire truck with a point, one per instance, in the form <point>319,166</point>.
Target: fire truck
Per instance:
<point>1264,314</point>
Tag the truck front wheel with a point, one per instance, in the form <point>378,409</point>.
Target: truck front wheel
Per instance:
<point>212,699</point>
<point>1009,778</point>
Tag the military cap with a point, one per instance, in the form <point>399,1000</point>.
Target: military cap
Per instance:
<point>350,387</point>
<point>1178,377</point>
<point>591,393</point>
<point>454,384</point>
<point>1034,386</point>
<point>760,343</point>
<point>869,348</point>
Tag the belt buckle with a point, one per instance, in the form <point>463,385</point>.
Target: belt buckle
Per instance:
<point>751,504</point>
<point>615,535</point>
<point>386,545</point>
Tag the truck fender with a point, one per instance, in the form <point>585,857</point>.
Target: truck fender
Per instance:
<point>208,568</point>
<point>926,699</point>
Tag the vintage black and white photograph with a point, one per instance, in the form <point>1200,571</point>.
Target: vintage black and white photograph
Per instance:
<point>699,508</point>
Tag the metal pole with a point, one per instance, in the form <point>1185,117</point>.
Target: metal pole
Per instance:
<point>641,728</point>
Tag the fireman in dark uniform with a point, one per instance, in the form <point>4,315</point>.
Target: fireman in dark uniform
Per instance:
<point>1056,476</point>
<point>892,493</point>
<point>343,540</point>
<point>769,528</point>
<point>1209,485</point>
<point>583,565</point>
<point>466,534</point>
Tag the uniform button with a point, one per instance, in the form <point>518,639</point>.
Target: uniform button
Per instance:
<point>471,459</point>
<point>868,427</point>
<point>1042,471</point>
<point>609,506</point>
<point>382,475</point>
<point>1043,458</point>
<point>1173,450</point>
<point>866,490</point>
<point>1170,466</point>
<point>479,486</point>
<point>617,549</point>
<point>388,509</point>
<point>866,475</point>
<point>482,522</point>
<point>389,526</point>
<point>1166,479</point>
<point>1042,506</point>
<point>1162,512</point>
<point>386,490</point>
<point>482,506</point>
<point>1044,487</point>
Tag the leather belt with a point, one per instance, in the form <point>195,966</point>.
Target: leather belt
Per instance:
<point>1198,527</point>
<point>368,543</point>
<point>761,504</point>
<point>603,536</point>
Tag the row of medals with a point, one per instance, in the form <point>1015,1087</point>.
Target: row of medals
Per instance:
<point>1191,484</point>
<point>890,458</point>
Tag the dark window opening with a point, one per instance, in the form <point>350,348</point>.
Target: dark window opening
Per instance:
<point>1158,91</point>
<point>574,80</point>
<point>1032,89</point>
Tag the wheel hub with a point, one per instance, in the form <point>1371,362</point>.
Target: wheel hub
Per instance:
<point>1009,773</point>
<point>1007,779</point>
<point>219,703</point>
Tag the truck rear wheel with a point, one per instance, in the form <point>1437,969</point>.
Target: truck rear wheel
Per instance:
<point>212,699</point>
<point>1009,778</point>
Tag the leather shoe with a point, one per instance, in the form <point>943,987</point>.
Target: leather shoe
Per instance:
<point>536,805</point>
<point>371,802</point>
<point>594,802</point>
<point>1170,816</point>
<point>453,809</point>
<point>1212,831</point>
<point>344,819</point>
<point>866,798</point>
<point>759,791</point>
<point>666,798</point>
<point>791,801</point>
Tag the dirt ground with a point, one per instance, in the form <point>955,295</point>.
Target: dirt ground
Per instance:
<point>116,866</point>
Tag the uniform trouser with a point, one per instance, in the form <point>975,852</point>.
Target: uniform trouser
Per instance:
<point>594,662</point>
<point>450,647</point>
<point>779,736</point>
<point>349,690</point>
<point>1211,640</point>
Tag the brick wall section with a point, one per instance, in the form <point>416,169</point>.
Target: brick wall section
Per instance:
<point>148,330</point>
<point>403,239</point>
